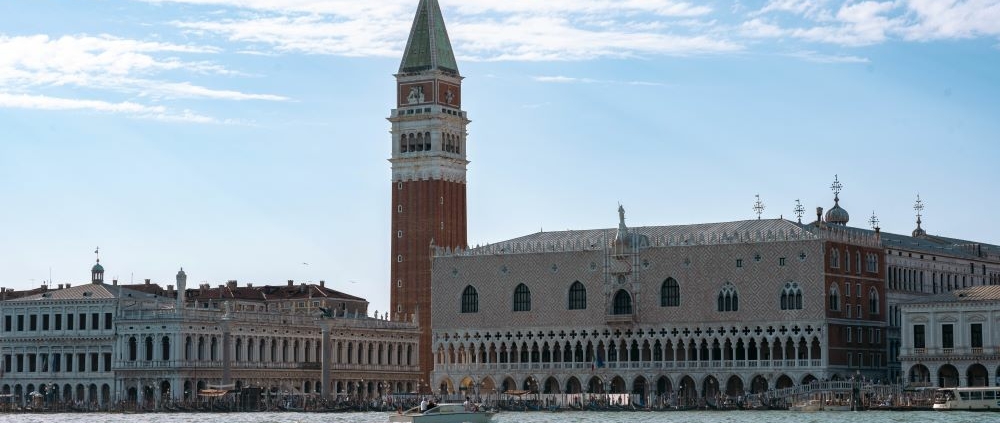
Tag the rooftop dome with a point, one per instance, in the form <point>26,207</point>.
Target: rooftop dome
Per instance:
<point>837,215</point>
<point>97,268</point>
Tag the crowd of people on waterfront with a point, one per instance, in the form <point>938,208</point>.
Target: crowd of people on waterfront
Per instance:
<point>870,396</point>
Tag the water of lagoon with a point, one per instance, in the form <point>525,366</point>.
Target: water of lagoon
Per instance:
<point>532,417</point>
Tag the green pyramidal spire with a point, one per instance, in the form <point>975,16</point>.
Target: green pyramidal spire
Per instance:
<point>428,47</point>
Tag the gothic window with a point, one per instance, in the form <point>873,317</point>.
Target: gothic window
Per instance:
<point>834,298</point>
<point>873,301</point>
<point>728,299</point>
<point>623,302</point>
<point>470,300</point>
<point>522,298</point>
<point>577,296</point>
<point>791,296</point>
<point>847,260</point>
<point>427,141</point>
<point>670,293</point>
<point>834,258</point>
<point>857,261</point>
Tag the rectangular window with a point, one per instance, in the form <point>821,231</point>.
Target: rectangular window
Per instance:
<point>20,322</point>
<point>847,289</point>
<point>69,321</point>
<point>861,335</point>
<point>59,322</point>
<point>859,310</point>
<point>849,309</point>
<point>858,293</point>
<point>32,322</point>
<point>7,323</point>
<point>45,322</point>
<point>781,261</point>
<point>739,262</point>
<point>878,336</point>
<point>947,336</point>
<point>107,321</point>
<point>107,362</point>
<point>918,337</point>
<point>849,332</point>
<point>850,360</point>
<point>83,322</point>
<point>94,362</point>
<point>69,362</point>
<point>976,338</point>
<point>861,360</point>
<point>94,321</point>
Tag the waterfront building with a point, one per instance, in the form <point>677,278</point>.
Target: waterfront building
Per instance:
<point>689,310</point>
<point>99,343</point>
<point>58,343</point>
<point>920,266</point>
<point>428,168</point>
<point>952,338</point>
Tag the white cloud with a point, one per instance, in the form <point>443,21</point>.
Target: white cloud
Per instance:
<point>949,19</point>
<point>109,63</point>
<point>128,108</point>
<point>859,23</point>
<point>812,56</point>
<point>479,29</point>
<point>807,8</point>
<point>560,79</point>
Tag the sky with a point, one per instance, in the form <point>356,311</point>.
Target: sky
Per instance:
<point>247,139</point>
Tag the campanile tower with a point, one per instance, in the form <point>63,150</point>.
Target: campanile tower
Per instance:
<point>428,168</point>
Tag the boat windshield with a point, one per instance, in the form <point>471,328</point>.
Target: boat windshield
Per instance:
<point>943,396</point>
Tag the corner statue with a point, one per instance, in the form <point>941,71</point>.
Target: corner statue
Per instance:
<point>326,313</point>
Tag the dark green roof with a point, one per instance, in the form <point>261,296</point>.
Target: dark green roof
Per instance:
<point>428,47</point>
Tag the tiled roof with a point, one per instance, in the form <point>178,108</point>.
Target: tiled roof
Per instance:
<point>975,293</point>
<point>85,291</point>
<point>931,244</point>
<point>758,230</point>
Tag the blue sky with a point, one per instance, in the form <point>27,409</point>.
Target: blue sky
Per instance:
<point>242,139</point>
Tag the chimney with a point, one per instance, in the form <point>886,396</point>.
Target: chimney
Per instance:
<point>249,285</point>
<point>67,285</point>
<point>170,288</point>
<point>291,282</point>
<point>322,284</point>
<point>147,281</point>
<point>45,287</point>
<point>113,282</point>
<point>60,286</point>
<point>819,215</point>
<point>231,284</point>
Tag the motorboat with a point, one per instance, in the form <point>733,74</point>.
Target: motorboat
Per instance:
<point>442,413</point>
<point>820,405</point>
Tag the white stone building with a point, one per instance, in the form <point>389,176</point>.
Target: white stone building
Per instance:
<point>952,339</point>
<point>98,344</point>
